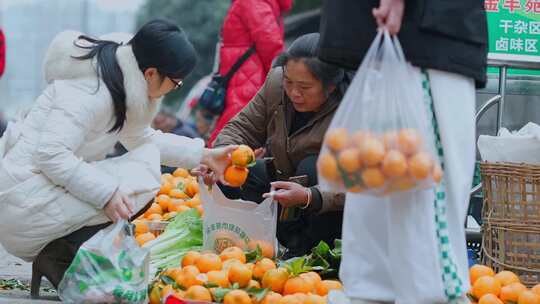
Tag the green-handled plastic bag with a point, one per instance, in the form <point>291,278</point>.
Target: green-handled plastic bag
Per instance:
<point>108,268</point>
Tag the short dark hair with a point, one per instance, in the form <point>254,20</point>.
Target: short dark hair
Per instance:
<point>306,48</point>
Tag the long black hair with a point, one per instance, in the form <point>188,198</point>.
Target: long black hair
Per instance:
<point>159,44</point>
<point>306,48</point>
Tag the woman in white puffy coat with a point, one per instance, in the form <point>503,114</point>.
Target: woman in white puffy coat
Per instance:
<point>54,178</point>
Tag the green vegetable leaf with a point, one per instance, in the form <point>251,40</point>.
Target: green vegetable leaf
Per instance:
<point>254,255</point>
<point>219,293</point>
<point>210,285</point>
<point>167,280</point>
<point>258,293</point>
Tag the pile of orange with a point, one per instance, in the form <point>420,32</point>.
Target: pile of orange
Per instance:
<point>390,162</point>
<point>179,192</point>
<point>237,172</point>
<point>501,288</point>
<point>202,275</point>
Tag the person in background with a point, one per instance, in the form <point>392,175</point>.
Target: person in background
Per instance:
<point>287,119</point>
<point>249,23</point>
<point>410,248</point>
<point>2,53</point>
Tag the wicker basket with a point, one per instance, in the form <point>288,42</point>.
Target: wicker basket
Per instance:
<point>511,219</point>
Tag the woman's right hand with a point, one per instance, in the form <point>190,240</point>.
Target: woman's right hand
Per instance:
<point>119,207</point>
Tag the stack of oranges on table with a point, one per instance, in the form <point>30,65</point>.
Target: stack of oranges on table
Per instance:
<point>504,287</point>
<point>237,172</point>
<point>385,163</point>
<point>231,279</point>
<point>179,192</point>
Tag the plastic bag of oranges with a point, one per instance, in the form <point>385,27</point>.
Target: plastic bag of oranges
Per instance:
<point>380,140</point>
<point>239,223</point>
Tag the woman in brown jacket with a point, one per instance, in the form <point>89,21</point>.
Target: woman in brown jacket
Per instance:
<point>286,121</point>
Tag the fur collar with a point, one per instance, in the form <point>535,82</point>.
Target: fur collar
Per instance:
<point>59,65</point>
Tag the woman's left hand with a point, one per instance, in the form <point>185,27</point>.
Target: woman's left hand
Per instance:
<point>289,194</point>
<point>218,160</point>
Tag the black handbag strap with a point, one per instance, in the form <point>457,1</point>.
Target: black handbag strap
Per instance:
<point>236,66</point>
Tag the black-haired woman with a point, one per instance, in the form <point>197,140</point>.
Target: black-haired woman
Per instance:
<point>54,178</point>
<point>288,118</point>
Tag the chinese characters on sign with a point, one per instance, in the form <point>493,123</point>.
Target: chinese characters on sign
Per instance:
<point>514,26</point>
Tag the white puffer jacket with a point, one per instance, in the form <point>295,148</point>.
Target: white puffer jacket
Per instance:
<point>54,151</point>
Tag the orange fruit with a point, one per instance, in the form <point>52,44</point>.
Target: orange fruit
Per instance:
<point>237,297</point>
<point>477,271</point>
<point>191,188</point>
<point>403,183</point>
<point>154,209</point>
<point>314,299</point>
<point>266,247</point>
<point>177,193</point>
<point>154,217</point>
<point>208,262</point>
<point>165,188</point>
<point>355,189</point>
<point>373,177</point>
<point>219,278</point>
<point>180,172</point>
<point>191,269</point>
<point>179,208</point>
<point>144,238</point>
<point>528,297</point>
<point>409,141</point>
<point>271,298</point>
<point>390,140</point>
<point>194,202</point>
<point>297,285</point>
<point>198,293</point>
<point>290,299</point>
<point>328,167</point>
<point>140,227</point>
<point>323,287</point>
<point>394,164</point>
<point>242,156</point>
<point>420,165</point>
<point>262,266</point>
<point>229,263</point>
<point>236,176</point>
<point>349,160</point>
<point>275,279</point>
<point>437,173</point>
<point>336,139</point>
<point>167,176</point>
<point>372,151</point>
<point>166,291</point>
<point>250,266</point>
<point>253,284</point>
<point>359,137</point>
<point>240,274</point>
<point>169,215</point>
<point>154,296</point>
<point>190,258</point>
<point>511,292</point>
<point>507,277</point>
<point>233,253</point>
<point>163,200</point>
<point>485,285</point>
<point>490,299</point>
<point>312,278</point>
<point>536,289</point>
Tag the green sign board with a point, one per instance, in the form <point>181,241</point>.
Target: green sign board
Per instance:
<point>514,30</point>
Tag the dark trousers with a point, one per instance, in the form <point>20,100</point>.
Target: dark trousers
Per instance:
<point>303,233</point>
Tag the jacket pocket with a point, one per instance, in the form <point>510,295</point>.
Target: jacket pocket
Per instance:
<point>463,20</point>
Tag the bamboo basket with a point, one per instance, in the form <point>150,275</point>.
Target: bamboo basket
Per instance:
<point>511,219</point>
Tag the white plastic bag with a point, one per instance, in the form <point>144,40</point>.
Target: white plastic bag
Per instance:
<point>238,223</point>
<point>380,140</point>
<point>515,147</point>
<point>108,268</point>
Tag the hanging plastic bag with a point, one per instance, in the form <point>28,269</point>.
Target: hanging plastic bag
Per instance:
<point>238,223</point>
<point>108,268</point>
<point>379,141</point>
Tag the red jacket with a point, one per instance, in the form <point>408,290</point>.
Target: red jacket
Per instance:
<point>249,22</point>
<point>2,52</point>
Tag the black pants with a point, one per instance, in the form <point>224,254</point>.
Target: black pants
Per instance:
<point>302,234</point>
